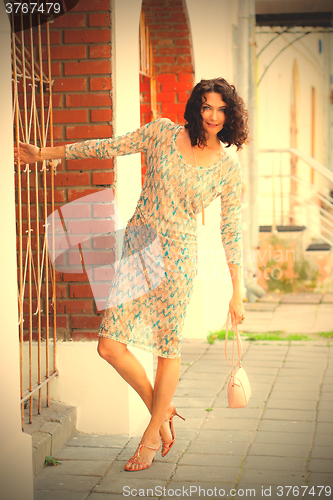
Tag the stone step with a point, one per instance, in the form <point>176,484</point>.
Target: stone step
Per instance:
<point>50,430</point>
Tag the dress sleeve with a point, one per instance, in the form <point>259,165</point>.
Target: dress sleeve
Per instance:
<point>133,142</point>
<point>231,215</point>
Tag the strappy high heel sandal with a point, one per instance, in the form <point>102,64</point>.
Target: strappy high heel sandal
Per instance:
<point>134,459</point>
<point>166,447</point>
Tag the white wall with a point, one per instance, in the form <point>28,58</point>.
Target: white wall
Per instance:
<point>274,101</point>
<point>15,446</point>
<point>211,29</point>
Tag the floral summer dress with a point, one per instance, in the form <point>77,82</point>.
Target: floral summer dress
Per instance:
<point>170,200</point>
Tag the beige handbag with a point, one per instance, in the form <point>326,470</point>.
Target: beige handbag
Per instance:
<point>239,389</point>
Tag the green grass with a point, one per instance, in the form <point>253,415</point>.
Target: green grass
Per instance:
<point>326,335</point>
<point>218,336</point>
<point>276,335</point>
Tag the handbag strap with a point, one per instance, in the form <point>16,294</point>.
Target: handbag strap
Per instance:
<point>239,345</point>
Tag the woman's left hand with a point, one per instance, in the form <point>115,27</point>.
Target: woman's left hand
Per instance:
<point>236,309</point>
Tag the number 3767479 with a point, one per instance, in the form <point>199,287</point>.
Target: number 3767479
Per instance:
<point>32,8</point>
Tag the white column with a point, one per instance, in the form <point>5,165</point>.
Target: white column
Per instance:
<point>15,446</point>
<point>126,104</point>
<point>211,29</point>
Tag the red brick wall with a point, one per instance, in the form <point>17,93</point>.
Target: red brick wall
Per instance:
<point>82,109</point>
<point>84,88</point>
<point>172,50</point>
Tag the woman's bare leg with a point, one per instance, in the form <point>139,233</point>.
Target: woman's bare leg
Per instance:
<point>131,370</point>
<point>128,367</point>
<point>167,377</point>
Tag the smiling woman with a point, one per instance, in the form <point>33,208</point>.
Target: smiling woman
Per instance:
<point>187,169</point>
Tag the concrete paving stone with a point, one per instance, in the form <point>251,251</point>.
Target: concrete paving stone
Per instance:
<point>308,349</point>
<point>214,366</point>
<point>290,404</point>
<point>222,402</point>
<point>60,495</point>
<point>260,306</point>
<point>198,376</point>
<point>274,463</point>
<point>260,394</point>
<point>278,450</point>
<point>273,477</point>
<point>322,452</point>
<point>86,453</point>
<point>320,465</point>
<point>300,415</point>
<point>280,385</point>
<point>116,478</point>
<point>326,396</point>
<point>206,474</point>
<point>327,298</point>
<point>325,416</point>
<point>323,440</point>
<point>224,413</point>
<point>302,298</point>
<point>265,375</point>
<point>224,436</point>
<point>195,392</point>
<point>327,387</point>
<point>267,348</point>
<point>318,479</point>
<point>286,426</point>
<point>98,440</point>
<point>185,434</point>
<point>257,386</point>
<point>213,384</point>
<point>191,413</point>
<point>296,364</point>
<point>266,367</point>
<point>190,423</point>
<point>230,424</point>
<point>64,482</point>
<point>271,297</point>
<point>198,490</point>
<point>264,360</point>
<point>304,373</point>
<point>290,438</point>
<point>294,395</point>
<point>79,468</point>
<point>328,379</point>
<point>217,448</point>
<point>324,428</point>
<point>119,485</point>
<point>191,402</point>
<point>259,379</point>
<point>210,460</point>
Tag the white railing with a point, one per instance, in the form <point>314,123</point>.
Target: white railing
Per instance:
<point>287,198</point>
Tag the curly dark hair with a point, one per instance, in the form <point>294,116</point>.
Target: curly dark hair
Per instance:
<point>235,129</point>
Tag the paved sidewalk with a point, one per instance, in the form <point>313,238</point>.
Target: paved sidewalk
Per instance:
<point>283,439</point>
<point>303,313</point>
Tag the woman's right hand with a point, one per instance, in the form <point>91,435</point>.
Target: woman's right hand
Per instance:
<point>27,153</point>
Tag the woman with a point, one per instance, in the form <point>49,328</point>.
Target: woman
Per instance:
<point>187,169</point>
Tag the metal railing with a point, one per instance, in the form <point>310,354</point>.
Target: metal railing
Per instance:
<point>294,199</point>
<point>32,103</point>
